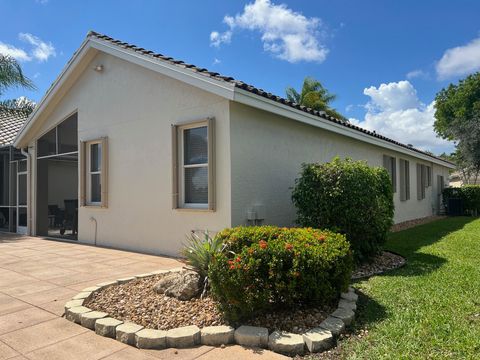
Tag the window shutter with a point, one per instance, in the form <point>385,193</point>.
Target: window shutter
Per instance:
<point>403,195</point>
<point>104,177</point>
<point>407,180</point>
<point>424,180</point>
<point>175,167</point>
<point>419,182</point>
<point>394,174</point>
<point>386,162</point>
<point>429,176</point>
<point>211,164</point>
<point>82,173</point>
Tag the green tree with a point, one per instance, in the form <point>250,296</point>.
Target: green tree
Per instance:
<point>456,106</point>
<point>11,75</point>
<point>457,118</point>
<point>314,95</point>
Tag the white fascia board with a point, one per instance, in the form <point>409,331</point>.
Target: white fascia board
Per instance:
<point>220,88</point>
<point>217,87</point>
<point>259,102</point>
<point>50,93</point>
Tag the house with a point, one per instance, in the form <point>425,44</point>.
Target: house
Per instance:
<point>457,179</point>
<point>13,173</point>
<point>153,148</point>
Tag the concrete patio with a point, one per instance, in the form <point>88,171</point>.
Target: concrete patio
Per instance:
<point>37,277</point>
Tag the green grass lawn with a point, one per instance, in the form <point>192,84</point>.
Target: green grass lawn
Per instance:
<point>429,309</point>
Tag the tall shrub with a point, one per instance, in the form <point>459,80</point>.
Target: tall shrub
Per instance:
<point>266,267</point>
<point>348,197</point>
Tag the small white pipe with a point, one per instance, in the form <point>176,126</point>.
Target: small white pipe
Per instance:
<point>95,220</point>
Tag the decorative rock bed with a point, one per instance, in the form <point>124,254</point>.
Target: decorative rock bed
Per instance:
<point>383,262</point>
<point>318,339</point>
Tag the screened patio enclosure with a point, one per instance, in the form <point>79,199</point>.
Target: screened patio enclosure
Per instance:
<point>57,181</point>
<point>13,190</point>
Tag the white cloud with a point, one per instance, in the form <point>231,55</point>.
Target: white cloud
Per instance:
<point>287,34</point>
<point>416,74</point>
<point>41,49</point>
<point>216,61</point>
<point>216,39</point>
<point>17,53</point>
<point>460,60</point>
<point>392,96</point>
<point>395,111</point>
<point>42,2</point>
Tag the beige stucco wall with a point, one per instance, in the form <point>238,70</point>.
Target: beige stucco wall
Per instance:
<point>135,107</point>
<point>267,152</point>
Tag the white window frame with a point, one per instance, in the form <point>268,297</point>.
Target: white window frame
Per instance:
<point>178,166</point>
<point>86,177</point>
<point>89,172</point>
<point>182,166</point>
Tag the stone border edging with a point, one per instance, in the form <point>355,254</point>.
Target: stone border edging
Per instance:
<point>315,340</point>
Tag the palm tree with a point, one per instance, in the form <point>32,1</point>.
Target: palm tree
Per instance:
<point>11,75</point>
<point>315,96</point>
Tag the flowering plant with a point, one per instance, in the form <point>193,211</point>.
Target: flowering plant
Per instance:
<point>267,267</point>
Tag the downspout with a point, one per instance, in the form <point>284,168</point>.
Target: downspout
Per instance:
<point>29,190</point>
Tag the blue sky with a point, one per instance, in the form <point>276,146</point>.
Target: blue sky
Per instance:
<point>385,60</point>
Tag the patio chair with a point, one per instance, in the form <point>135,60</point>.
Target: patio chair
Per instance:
<point>70,216</point>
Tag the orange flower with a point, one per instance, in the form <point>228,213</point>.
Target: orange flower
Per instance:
<point>321,237</point>
<point>232,267</point>
<point>238,259</point>
<point>230,262</point>
<point>263,244</point>
<point>288,246</point>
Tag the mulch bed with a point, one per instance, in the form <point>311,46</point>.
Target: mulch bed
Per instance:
<point>136,301</point>
<point>383,262</point>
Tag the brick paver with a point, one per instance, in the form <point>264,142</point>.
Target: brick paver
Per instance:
<point>37,278</point>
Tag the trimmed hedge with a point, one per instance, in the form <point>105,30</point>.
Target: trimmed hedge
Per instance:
<point>349,197</point>
<point>265,267</point>
<point>469,194</point>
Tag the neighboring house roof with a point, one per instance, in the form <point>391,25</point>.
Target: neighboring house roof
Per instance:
<point>223,84</point>
<point>11,121</point>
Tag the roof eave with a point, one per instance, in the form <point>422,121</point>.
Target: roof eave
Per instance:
<point>223,89</point>
<point>19,141</point>
<point>260,102</point>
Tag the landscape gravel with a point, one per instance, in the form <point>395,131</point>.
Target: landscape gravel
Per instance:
<point>380,263</point>
<point>412,223</point>
<point>136,301</point>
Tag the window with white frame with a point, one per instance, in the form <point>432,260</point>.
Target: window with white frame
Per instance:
<point>94,158</point>
<point>193,165</point>
<point>94,173</point>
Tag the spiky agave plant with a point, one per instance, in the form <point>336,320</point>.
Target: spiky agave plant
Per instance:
<point>199,251</point>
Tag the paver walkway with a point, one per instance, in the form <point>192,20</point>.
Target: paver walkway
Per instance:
<point>38,276</point>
